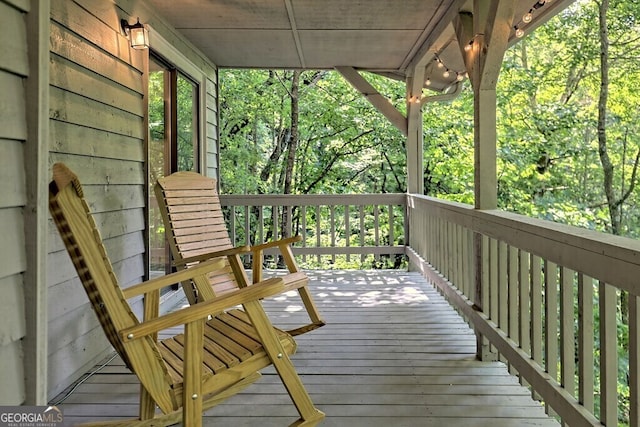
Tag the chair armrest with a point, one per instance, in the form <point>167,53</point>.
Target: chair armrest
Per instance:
<point>173,278</point>
<point>281,242</point>
<point>203,310</point>
<point>209,255</point>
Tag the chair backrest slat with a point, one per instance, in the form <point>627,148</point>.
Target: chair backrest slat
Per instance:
<point>190,203</point>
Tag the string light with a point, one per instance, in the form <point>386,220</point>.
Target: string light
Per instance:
<point>447,72</point>
<point>528,17</point>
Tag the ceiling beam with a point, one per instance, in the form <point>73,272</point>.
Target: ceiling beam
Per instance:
<point>496,20</point>
<point>418,55</point>
<point>294,33</point>
<point>381,103</point>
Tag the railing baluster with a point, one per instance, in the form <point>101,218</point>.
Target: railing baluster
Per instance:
<point>468,259</point>
<point>608,355</point>
<point>459,257</point>
<point>585,342</point>
<point>514,302</point>
<point>551,318</point>
<point>376,230</point>
<point>332,228</point>
<point>276,222</point>
<point>503,286</point>
<point>535,267</point>
<point>318,232</point>
<point>443,246</point>
<point>452,255</point>
<point>289,224</point>
<point>486,289</point>
<point>261,224</point>
<point>247,226</point>
<point>362,231</point>
<point>391,235</point>
<point>232,225</point>
<point>303,221</point>
<point>524,282</point>
<point>634,361</point>
<point>493,280</point>
<point>567,336</point>
<point>484,345</point>
<point>347,229</point>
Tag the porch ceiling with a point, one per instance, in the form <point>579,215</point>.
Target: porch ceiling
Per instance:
<point>387,37</point>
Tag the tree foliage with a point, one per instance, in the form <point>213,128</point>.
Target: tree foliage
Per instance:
<point>568,130</point>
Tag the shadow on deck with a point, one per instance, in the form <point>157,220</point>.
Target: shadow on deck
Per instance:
<point>393,353</point>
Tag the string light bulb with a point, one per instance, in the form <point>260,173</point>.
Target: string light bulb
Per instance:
<point>469,46</point>
<point>528,17</point>
<point>447,73</point>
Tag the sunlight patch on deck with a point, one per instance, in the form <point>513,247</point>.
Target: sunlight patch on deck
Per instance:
<point>404,295</point>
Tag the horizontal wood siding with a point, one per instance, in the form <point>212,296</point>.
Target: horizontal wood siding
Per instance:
<point>97,129</point>
<point>14,68</point>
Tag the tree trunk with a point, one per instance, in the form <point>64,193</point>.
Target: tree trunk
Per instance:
<point>293,136</point>
<point>614,204</point>
<point>293,147</point>
<point>607,166</point>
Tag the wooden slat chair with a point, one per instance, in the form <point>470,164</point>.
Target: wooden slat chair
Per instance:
<point>214,358</point>
<point>196,231</point>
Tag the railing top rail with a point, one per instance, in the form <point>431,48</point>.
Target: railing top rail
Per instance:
<point>312,199</point>
<point>613,259</point>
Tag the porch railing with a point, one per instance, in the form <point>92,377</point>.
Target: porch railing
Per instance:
<point>549,295</point>
<point>334,228</point>
<point>547,304</point>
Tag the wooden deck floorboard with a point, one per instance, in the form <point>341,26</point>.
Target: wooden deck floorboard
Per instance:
<point>393,353</point>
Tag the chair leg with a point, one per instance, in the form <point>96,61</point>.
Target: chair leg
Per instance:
<point>192,375</point>
<point>309,414</point>
<point>147,405</point>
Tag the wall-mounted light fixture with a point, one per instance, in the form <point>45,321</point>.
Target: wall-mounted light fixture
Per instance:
<point>137,34</point>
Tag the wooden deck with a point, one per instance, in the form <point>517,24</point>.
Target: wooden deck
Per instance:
<point>394,353</point>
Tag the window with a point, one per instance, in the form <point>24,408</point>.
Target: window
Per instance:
<point>173,145</point>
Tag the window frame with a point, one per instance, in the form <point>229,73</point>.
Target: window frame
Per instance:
<point>166,53</point>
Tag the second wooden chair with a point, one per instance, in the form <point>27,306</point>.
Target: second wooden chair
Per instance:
<point>196,231</point>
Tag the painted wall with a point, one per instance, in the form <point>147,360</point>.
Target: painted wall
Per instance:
<point>97,127</point>
<point>13,133</point>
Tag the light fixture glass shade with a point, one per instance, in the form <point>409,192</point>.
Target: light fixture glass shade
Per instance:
<point>138,34</point>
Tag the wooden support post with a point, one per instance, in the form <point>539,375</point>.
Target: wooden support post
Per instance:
<point>415,139</point>
<point>488,29</point>
<point>35,216</point>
